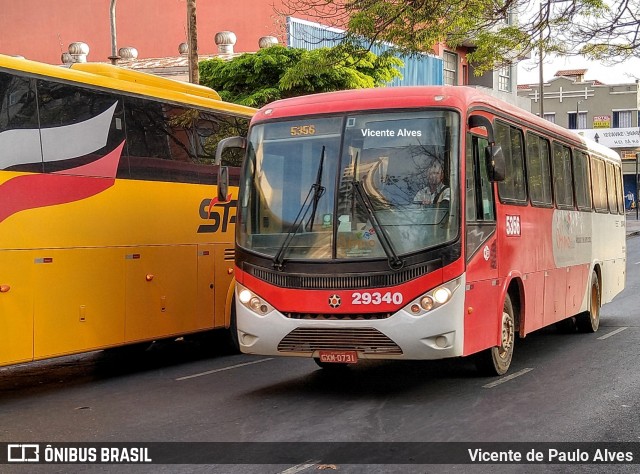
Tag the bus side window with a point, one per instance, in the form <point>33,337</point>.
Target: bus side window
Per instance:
<point>619,190</point>
<point>599,186</point>
<point>582,180</point>
<point>18,110</point>
<point>470,186</point>
<point>562,177</point>
<point>611,189</point>
<point>480,214</point>
<point>478,188</point>
<point>539,171</point>
<point>513,188</point>
<point>77,125</point>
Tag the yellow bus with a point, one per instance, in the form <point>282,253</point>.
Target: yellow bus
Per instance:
<point>110,229</point>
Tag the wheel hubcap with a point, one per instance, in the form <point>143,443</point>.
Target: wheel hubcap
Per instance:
<point>507,335</point>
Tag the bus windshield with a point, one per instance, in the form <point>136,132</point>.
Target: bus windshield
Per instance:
<point>357,186</point>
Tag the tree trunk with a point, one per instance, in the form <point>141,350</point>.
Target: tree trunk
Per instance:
<point>194,74</point>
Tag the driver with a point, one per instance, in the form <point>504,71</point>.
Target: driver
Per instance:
<point>436,193</point>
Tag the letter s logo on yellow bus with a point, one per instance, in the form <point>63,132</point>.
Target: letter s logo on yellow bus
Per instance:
<point>219,213</point>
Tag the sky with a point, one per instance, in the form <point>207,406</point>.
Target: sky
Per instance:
<point>623,73</point>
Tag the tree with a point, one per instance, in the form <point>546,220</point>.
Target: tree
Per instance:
<point>192,38</point>
<point>599,29</point>
<point>279,72</point>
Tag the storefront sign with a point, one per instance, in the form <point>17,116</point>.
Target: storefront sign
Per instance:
<point>602,121</point>
<point>613,137</point>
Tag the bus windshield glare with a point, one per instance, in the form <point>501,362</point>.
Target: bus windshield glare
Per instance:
<point>360,186</point>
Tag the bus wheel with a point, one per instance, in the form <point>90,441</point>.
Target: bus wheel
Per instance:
<point>589,321</point>
<point>333,366</point>
<point>567,325</point>
<point>234,343</point>
<point>496,360</point>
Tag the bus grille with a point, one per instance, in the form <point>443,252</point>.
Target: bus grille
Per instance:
<point>338,282</point>
<point>366,340</point>
<point>340,317</point>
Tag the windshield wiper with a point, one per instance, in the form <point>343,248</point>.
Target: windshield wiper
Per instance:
<point>395,262</point>
<point>317,190</point>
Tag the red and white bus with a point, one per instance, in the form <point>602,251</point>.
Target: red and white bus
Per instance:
<point>339,257</point>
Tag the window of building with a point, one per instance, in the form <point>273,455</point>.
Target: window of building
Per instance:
<point>450,61</point>
<point>578,121</point>
<point>622,119</point>
<point>504,78</point>
<point>550,117</point>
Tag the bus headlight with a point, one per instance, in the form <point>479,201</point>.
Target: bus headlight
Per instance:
<point>252,301</point>
<point>426,303</point>
<point>442,295</point>
<point>433,299</point>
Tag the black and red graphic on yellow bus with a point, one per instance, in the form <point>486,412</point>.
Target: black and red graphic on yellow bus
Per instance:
<point>219,213</point>
<point>60,187</point>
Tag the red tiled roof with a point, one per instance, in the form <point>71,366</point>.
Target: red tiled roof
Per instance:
<point>571,72</point>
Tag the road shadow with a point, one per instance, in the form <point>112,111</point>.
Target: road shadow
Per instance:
<point>383,378</point>
<point>79,369</point>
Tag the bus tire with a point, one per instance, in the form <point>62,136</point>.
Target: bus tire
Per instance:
<point>589,321</point>
<point>496,360</point>
<point>567,325</point>
<point>234,343</point>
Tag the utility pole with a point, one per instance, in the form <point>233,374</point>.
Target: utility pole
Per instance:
<point>541,79</point>
<point>541,85</point>
<point>637,187</point>
<point>192,40</point>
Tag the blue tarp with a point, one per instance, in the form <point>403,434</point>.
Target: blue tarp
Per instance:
<point>426,70</point>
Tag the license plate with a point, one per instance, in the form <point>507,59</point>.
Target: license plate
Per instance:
<point>339,357</point>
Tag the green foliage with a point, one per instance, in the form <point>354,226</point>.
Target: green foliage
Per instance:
<point>278,72</point>
<point>599,29</point>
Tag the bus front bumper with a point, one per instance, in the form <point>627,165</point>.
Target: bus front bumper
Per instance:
<point>437,334</point>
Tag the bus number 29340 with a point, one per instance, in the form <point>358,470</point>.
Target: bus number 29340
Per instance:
<point>376,298</point>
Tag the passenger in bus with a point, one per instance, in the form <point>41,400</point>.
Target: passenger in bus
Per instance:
<point>436,193</point>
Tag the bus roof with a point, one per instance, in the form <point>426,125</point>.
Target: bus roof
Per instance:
<point>138,83</point>
<point>458,97</point>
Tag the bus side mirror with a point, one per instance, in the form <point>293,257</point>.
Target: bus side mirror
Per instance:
<point>223,183</point>
<point>482,121</point>
<point>496,167</point>
<point>230,142</point>
<point>223,171</point>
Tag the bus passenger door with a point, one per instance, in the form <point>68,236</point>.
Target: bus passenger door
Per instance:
<point>16,306</point>
<point>215,274</point>
<point>482,289</point>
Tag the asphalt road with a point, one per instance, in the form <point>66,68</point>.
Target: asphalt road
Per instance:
<point>560,388</point>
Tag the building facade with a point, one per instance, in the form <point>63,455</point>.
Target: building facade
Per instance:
<point>155,34</point>
<point>155,28</point>
<point>606,113</point>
